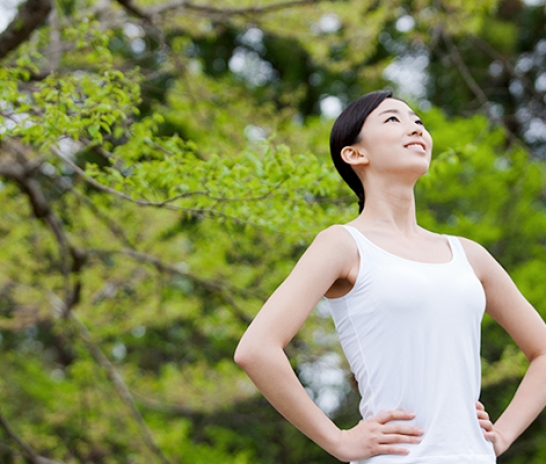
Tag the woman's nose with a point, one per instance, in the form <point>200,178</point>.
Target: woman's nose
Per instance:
<point>417,129</point>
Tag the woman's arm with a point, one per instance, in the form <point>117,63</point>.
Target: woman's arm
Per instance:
<point>513,312</point>
<point>332,257</point>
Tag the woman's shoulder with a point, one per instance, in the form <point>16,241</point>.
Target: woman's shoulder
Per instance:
<point>472,249</point>
<point>479,258</point>
<point>335,240</point>
<point>336,234</point>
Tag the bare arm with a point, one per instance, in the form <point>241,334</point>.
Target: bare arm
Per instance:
<point>513,312</point>
<point>332,257</point>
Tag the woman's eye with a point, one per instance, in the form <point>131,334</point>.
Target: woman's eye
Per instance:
<point>392,118</point>
<point>419,122</point>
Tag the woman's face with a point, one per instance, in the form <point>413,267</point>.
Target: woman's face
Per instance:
<point>393,138</point>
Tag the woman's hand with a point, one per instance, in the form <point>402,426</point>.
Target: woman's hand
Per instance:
<point>378,435</point>
<point>491,433</point>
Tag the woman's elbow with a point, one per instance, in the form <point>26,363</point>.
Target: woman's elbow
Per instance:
<point>245,353</point>
<point>240,356</point>
<point>251,352</point>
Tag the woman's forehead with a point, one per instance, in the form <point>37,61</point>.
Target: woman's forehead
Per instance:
<point>392,105</point>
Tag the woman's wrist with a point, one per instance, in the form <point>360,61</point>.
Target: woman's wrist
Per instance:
<point>332,442</point>
<point>502,440</point>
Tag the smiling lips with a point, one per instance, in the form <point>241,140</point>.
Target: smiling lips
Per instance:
<point>416,146</point>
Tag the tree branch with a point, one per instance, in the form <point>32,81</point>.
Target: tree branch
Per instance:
<point>166,204</point>
<point>30,15</point>
<point>112,225</point>
<point>211,10</point>
<point>465,72</point>
<point>474,86</point>
<point>120,386</point>
<point>133,9</point>
<point>495,54</point>
<point>161,406</point>
<point>107,189</point>
<point>212,287</point>
<point>22,171</point>
<point>43,211</point>
<point>158,204</point>
<point>34,457</point>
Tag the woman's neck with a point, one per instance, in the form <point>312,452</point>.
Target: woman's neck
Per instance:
<point>390,208</point>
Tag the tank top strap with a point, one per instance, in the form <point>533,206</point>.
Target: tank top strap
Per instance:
<point>457,249</point>
<point>366,248</point>
<point>361,242</point>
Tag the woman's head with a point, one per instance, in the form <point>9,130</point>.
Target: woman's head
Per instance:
<point>346,131</point>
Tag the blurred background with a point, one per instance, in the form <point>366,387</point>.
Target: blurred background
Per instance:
<point>163,164</point>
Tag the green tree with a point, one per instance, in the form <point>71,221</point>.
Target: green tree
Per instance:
<point>163,166</point>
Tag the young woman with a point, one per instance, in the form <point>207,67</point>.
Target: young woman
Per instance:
<point>407,304</point>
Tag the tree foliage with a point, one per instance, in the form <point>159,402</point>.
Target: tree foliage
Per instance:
<point>164,165</point>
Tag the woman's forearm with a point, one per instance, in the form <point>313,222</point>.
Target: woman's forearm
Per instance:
<point>528,402</point>
<point>271,372</point>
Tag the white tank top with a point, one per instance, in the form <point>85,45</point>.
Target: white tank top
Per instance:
<point>411,334</point>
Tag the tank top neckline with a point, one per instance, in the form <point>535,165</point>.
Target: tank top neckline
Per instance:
<point>388,253</point>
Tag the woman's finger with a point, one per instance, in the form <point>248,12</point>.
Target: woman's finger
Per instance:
<point>388,416</point>
<point>394,438</point>
<point>389,449</point>
<point>486,424</point>
<point>399,429</point>
<point>491,436</point>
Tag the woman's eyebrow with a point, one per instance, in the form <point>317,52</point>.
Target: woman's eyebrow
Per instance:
<point>412,113</point>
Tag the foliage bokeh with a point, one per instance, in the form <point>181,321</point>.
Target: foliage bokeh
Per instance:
<point>164,165</point>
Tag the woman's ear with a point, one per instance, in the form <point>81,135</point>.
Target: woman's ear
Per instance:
<point>354,156</point>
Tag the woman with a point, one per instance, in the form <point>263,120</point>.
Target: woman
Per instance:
<point>407,304</point>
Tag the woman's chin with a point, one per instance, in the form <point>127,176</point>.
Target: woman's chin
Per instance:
<point>417,170</point>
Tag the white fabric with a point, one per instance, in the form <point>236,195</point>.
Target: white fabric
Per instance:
<point>411,334</point>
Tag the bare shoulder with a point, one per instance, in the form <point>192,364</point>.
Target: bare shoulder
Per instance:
<point>473,249</point>
<point>336,244</point>
<point>336,236</point>
<point>479,258</point>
